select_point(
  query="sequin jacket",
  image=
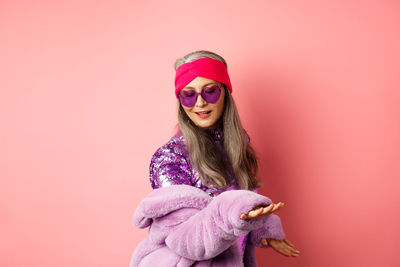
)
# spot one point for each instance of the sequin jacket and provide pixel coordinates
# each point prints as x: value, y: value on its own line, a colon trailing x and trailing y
x: 170, y: 165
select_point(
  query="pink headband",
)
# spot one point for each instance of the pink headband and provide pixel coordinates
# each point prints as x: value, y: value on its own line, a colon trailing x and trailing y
x: 204, y: 67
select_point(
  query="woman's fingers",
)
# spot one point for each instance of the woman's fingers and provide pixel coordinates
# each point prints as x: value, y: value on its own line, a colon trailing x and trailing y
x: 255, y: 213
x: 286, y: 251
x: 295, y: 252
x: 262, y: 211
x: 272, y: 208
x: 268, y: 209
x: 283, y: 247
x: 288, y: 242
x: 290, y: 248
x: 252, y: 214
x: 277, y: 206
x: 279, y: 246
x: 292, y: 251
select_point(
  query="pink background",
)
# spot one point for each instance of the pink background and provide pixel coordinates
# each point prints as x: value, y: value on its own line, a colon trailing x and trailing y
x: 86, y: 97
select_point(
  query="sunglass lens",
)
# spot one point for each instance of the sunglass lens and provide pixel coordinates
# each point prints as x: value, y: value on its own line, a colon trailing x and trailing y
x: 188, y: 97
x: 211, y: 94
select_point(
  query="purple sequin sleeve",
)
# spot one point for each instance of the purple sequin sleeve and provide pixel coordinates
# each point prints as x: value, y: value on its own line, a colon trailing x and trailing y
x: 168, y: 168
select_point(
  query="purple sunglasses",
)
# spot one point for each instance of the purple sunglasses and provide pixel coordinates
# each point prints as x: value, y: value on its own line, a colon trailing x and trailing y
x: 211, y: 95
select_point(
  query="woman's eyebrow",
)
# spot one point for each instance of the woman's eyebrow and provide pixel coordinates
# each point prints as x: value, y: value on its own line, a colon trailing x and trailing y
x: 189, y: 87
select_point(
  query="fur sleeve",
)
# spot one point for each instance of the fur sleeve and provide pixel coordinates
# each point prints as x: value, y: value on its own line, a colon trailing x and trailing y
x: 217, y: 226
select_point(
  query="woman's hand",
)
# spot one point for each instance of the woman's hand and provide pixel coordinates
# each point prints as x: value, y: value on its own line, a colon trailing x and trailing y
x: 283, y: 247
x: 259, y: 212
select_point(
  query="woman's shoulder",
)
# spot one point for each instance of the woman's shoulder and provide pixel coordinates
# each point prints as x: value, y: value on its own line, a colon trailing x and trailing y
x: 174, y: 146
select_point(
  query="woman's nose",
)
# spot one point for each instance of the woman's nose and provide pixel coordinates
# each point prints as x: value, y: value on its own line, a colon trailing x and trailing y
x: 200, y: 102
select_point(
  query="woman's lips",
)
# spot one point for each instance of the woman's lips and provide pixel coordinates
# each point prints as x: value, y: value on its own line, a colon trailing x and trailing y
x: 203, y: 114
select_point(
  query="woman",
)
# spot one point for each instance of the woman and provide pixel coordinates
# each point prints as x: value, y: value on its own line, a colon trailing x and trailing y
x: 212, y: 215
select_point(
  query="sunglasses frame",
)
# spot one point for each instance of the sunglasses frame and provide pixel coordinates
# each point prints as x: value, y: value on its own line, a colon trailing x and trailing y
x: 202, y: 93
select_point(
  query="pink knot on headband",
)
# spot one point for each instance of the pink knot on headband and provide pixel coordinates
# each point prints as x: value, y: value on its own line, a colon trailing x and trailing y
x: 204, y: 67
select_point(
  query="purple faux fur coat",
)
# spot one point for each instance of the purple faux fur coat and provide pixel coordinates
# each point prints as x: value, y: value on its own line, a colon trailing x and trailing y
x: 189, y: 228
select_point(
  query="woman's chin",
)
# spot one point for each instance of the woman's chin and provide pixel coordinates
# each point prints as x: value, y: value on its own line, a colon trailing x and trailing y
x: 206, y: 124
x: 203, y: 125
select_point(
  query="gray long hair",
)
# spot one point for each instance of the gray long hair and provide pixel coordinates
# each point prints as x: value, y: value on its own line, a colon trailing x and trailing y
x: 204, y: 154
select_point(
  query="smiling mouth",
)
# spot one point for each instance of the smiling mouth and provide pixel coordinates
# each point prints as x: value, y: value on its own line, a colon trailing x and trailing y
x: 203, y: 113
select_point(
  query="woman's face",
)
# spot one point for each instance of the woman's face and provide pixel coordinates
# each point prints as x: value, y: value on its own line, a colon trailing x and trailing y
x: 214, y: 111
